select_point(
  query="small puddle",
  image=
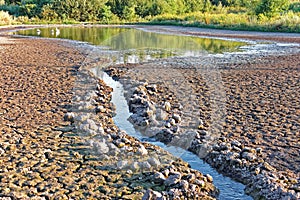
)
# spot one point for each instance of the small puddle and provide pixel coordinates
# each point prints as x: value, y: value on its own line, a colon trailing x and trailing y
x: 229, y: 189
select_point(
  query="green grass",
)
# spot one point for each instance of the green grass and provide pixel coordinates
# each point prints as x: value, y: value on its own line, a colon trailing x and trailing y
x: 289, y: 22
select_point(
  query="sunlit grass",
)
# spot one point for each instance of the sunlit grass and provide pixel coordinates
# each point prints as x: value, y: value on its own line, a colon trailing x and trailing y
x: 288, y: 22
x: 220, y: 19
x: 5, y: 18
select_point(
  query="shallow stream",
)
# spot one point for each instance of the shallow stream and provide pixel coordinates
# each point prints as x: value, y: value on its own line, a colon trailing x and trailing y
x: 229, y: 189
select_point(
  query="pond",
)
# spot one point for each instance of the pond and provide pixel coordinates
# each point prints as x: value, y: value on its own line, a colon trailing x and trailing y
x: 138, y: 45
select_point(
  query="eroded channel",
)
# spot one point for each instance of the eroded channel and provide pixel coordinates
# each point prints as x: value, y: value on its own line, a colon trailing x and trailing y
x: 229, y: 189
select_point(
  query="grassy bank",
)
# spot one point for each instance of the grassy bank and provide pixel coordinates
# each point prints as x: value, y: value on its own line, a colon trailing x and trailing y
x: 288, y: 22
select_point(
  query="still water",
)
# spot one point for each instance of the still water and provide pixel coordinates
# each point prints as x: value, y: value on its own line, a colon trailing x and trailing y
x: 131, y: 45
x: 138, y: 42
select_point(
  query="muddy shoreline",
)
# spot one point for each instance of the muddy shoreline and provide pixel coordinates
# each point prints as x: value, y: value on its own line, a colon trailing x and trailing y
x: 247, y: 35
x: 202, y: 32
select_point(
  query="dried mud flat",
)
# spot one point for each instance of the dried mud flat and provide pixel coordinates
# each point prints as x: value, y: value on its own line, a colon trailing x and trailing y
x: 240, y: 112
x: 58, y: 139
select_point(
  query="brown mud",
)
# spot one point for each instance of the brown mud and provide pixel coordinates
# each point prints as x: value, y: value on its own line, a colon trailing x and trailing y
x: 58, y: 139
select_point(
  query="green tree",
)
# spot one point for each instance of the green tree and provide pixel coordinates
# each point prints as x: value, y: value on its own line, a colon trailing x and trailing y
x: 8, y: 2
x: 125, y: 9
x: 171, y: 6
x: 29, y: 8
x: 147, y: 8
x: 226, y: 2
x: 295, y: 7
x: 128, y: 13
x: 271, y: 8
x: 206, y: 6
x: 81, y: 10
x: 106, y: 15
x: 193, y: 5
x: 48, y: 13
x: 118, y: 6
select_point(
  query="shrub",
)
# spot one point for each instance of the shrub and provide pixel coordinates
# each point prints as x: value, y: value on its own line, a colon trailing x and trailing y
x: 128, y: 13
x: 5, y: 18
x: 289, y: 22
x: 11, y: 9
x: 22, y: 19
x: 272, y: 8
x: 29, y: 9
x: 79, y: 10
x: 48, y: 13
x: 295, y: 7
x: 106, y: 16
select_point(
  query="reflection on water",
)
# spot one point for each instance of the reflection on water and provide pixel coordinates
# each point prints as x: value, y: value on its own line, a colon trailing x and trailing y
x: 137, y: 45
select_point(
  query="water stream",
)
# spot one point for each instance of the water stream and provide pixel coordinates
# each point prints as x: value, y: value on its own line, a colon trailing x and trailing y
x: 229, y: 189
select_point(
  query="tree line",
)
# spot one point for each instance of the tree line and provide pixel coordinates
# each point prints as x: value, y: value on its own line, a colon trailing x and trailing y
x: 136, y: 10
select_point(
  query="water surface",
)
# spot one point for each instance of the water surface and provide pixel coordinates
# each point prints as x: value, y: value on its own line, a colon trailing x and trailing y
x: 142, y: 44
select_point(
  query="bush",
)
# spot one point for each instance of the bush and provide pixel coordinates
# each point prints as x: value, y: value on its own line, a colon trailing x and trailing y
x: 29, y: 9
x: 128, y: 13
x: 290, y: 22
x: 11, y: 9
x: 272, y: 8
x: 106, y: 16
x: 48, y: 13
x: 79, y: 10
x: 5, y: 18
x: 22, y: 20
x: 295, y: 7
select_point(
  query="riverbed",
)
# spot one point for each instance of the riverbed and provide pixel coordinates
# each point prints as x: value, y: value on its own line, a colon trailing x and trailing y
x: 198, y: 80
